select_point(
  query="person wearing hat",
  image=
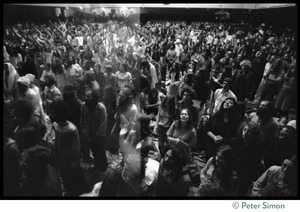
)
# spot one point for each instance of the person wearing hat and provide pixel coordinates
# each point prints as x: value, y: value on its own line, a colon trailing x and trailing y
x: 222, y: 93
x: 25, y: 92
x: 51, y: 92
x: 31, y: 78
x: 178, y: 48
x: 278, y: 180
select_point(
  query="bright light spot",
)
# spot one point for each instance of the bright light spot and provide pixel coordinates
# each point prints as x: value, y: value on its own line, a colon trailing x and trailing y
x: 81, y: 8
x: 102, y: 8
x: 67, y: 8
x: 123, y: 8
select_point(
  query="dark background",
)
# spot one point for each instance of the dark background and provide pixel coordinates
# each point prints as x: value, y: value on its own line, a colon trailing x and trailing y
x: 279, y: 18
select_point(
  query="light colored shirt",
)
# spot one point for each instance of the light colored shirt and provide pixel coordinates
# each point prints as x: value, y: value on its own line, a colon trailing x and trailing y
x: 220, y: 96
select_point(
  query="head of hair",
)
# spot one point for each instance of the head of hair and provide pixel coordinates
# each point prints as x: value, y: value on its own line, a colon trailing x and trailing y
x: 189, y: 124
x: 36, y: 158
x: 145, y: 64
x: 23, y: 109
x: 125, y: 66
x: 224, y: 172
x: 110, y: 97
x: 228, y: 80
x: 50, y: 79
x: 125, y: 97
x: 232, y: 112
x: 254, y: 134
x: 188, y: 90
x: 269, y: 110
x: 60, y: 109
x: 168, y: 104
x: 178, y: 160
x: 69, y: 92
x: 27, y: 137
x: 210, y: 190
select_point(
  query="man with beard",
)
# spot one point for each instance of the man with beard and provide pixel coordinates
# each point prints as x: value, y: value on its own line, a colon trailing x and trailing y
x: 93, y: 123
x: 269, y: 126
x: 172, y: 179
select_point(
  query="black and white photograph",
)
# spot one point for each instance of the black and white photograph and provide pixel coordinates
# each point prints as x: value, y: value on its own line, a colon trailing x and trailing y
x: 150, y: 101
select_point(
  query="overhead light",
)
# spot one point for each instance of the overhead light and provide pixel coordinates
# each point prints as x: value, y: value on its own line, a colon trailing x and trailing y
x: 81, y: 8
x: 123, y: 8
x: 102, y: 8
x: 67, y: 8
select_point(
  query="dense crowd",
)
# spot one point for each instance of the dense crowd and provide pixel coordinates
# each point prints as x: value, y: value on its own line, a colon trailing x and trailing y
x: 160, y: 95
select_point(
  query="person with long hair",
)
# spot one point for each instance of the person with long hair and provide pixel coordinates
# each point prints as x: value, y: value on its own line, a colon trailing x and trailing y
x: 183, y: 130
x: 219, y: 169
x: 247, y: 146
x: 222, y: 126
x: 124, y: 78
x: 126, y: 115
x: 172, y: 179
x: 60, y: 73
x: 164, y: 119
x: 152, y: 102
x: 93, y: 123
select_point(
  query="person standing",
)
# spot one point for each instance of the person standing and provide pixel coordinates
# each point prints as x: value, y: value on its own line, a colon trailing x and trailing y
x: 67, y: 148
x: 93, y: 123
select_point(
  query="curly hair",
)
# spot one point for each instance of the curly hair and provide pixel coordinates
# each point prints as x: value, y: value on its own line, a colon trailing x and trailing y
x: 168, y: 104
x: 233, y: 115
x: 254, y: 134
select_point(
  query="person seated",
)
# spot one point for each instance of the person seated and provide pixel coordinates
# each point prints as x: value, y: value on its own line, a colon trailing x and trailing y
x: 219, y: 169
x: 152, y: 102
x: 278, y: 180
x: 172, y: 179
x: 285, y: 145
x: 183, y: 131
x: 40, y: 176
x: 188, y: 95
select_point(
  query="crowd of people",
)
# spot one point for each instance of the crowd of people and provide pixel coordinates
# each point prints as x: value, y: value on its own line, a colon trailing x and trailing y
x: 159, y: 95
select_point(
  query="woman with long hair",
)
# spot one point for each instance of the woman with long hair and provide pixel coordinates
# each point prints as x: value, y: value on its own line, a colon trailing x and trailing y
x: 59, y: 71
x: 222, y: 126
x: 219, y: 169
x: 164, y: 119
x: 126, y: 114
x: 124, y: 78
x: 247, y: 146
x: 183, y: 130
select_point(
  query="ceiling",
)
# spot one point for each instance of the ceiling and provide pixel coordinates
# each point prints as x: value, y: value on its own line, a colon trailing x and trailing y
x: 207, y: 6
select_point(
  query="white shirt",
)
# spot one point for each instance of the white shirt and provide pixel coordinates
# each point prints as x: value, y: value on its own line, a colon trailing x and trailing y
x: 220, y: 96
